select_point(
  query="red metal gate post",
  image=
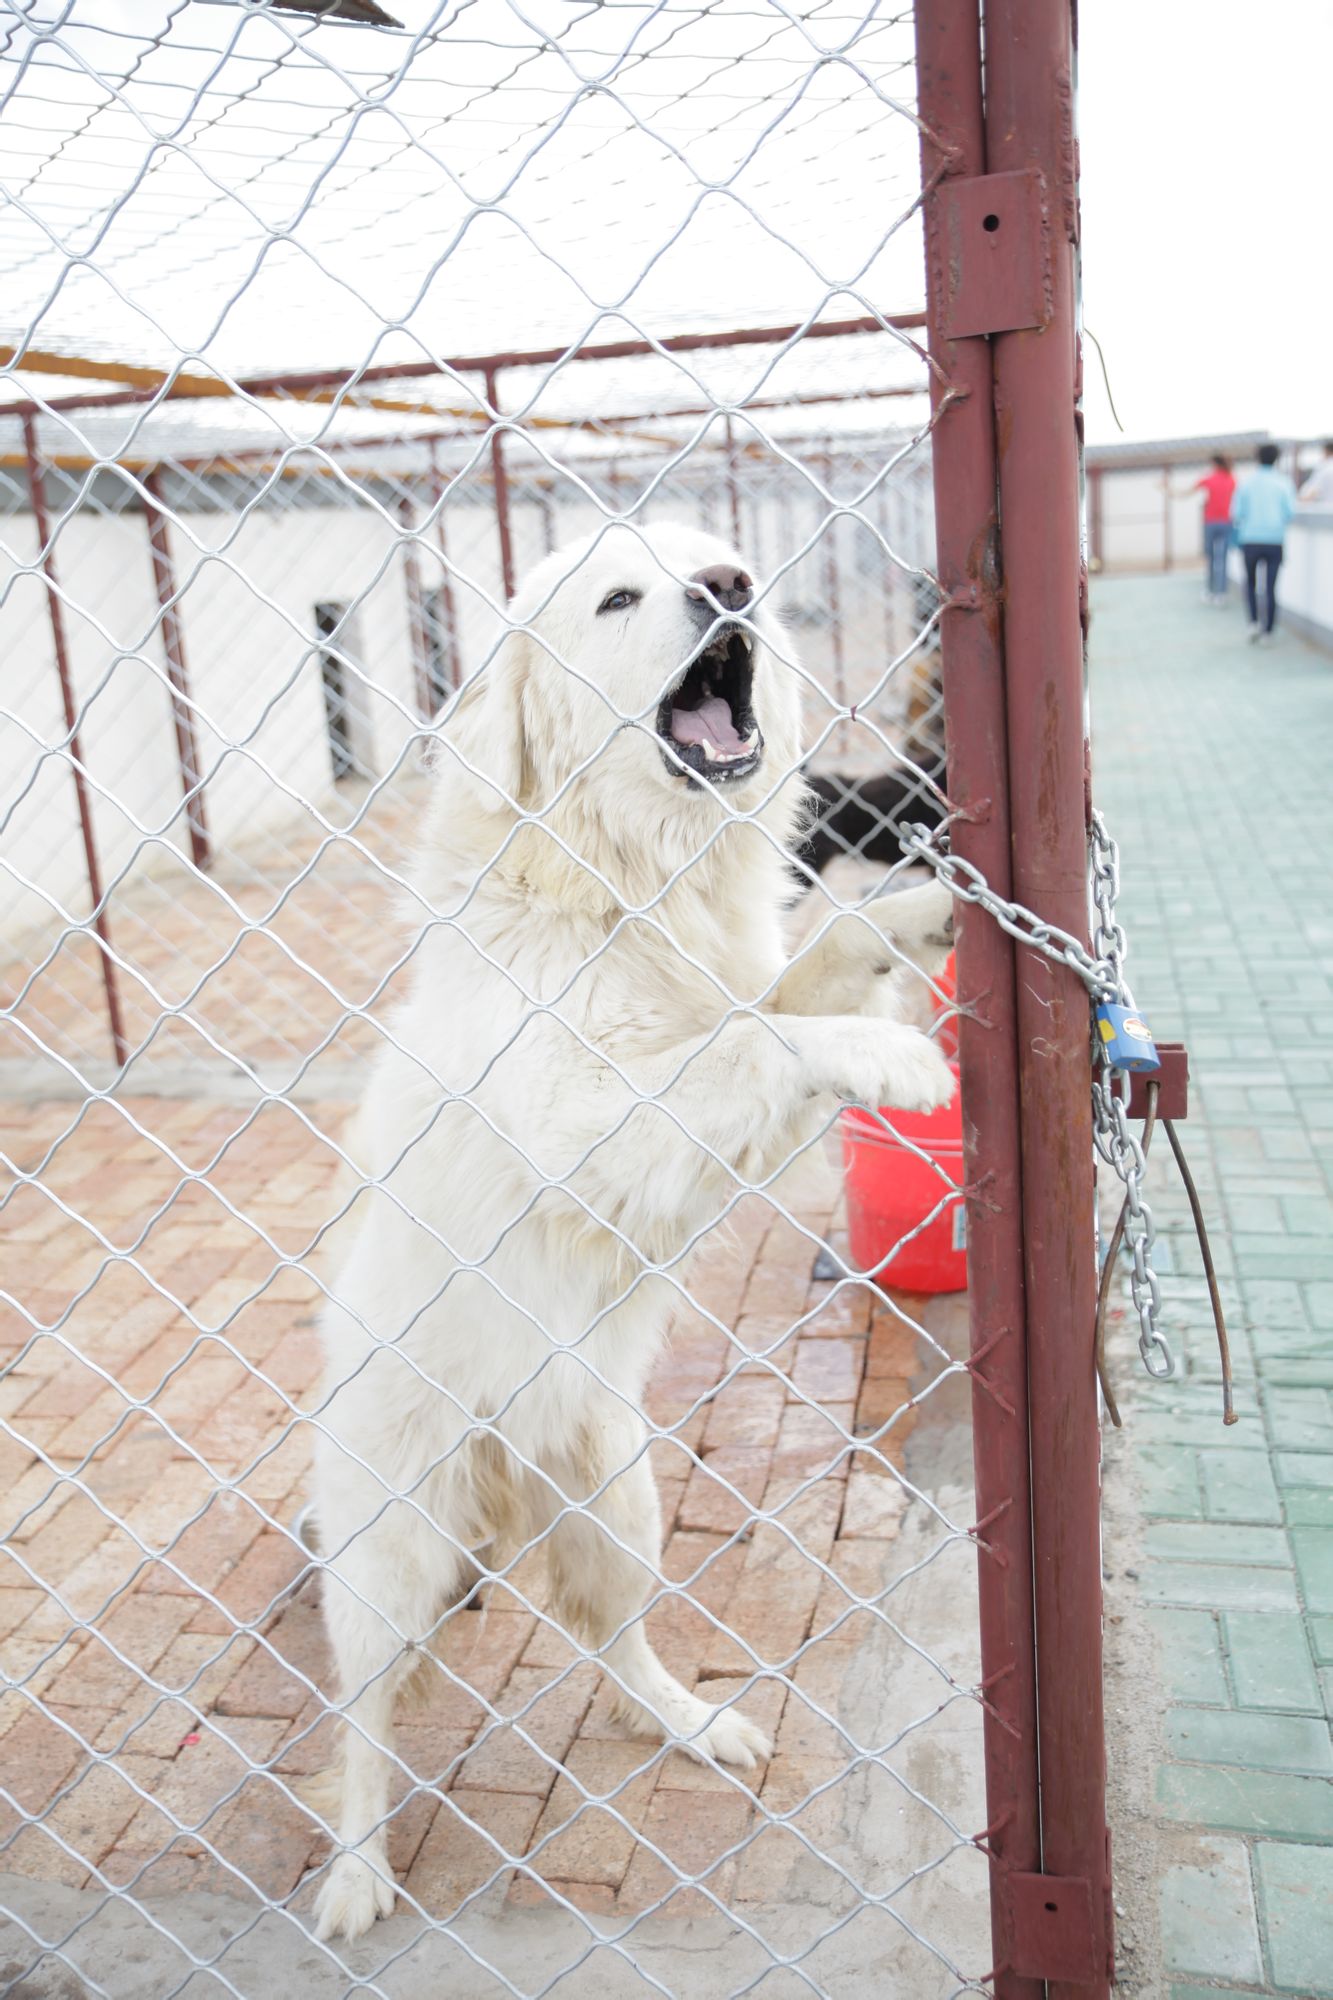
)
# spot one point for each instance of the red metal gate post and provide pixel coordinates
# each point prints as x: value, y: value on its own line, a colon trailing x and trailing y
x: 173, y: 648
x: 46, y: 546
x: 972, y: 671
x: 1030, y: 125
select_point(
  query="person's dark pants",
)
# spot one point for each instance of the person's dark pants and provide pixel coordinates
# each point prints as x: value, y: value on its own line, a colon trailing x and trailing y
x: 1216, y: 542
x: 1267, y: 555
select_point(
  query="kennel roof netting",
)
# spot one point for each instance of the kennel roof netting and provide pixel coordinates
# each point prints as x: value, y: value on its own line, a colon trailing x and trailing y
x: 212, y: 188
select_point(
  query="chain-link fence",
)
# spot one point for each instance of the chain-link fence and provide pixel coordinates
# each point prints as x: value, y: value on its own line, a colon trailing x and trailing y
x: 472, y: 641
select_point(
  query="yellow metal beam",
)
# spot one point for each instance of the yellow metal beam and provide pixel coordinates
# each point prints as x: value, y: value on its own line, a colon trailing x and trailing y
x: 128, y: 374
x: 80, y: 367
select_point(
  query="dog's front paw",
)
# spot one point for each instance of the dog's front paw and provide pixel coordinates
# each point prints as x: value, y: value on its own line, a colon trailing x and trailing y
x: 928, y: 1082
x: 353, y: 1895
x: 880, y: 1062
x: 919, y: 922
x: 730, y: 1738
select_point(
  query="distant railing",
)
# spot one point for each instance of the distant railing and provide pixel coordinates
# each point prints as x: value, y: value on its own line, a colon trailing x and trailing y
x: 1305, y: 589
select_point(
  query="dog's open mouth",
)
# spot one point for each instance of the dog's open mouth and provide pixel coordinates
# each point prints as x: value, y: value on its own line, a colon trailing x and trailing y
x: 707, y: 720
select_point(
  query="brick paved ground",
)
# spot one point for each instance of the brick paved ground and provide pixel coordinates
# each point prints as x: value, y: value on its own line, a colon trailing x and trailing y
x: 270, y: 960
x: 161, y: 1677
x: 1212, y: 761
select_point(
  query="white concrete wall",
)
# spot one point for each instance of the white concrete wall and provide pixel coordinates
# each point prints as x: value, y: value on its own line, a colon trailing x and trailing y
x: 247, y: 611
x: 1305, y: 585
x: 250, y: 582
x: 1151, y: 518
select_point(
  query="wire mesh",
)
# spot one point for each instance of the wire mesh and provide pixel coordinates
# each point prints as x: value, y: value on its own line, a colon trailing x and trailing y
x: 412, y: 1261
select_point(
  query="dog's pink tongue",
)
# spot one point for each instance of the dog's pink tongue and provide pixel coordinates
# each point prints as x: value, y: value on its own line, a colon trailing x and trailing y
x: 710, y: 722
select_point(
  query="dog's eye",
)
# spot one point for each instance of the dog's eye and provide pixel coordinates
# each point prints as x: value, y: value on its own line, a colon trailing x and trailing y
x: 619, y: 600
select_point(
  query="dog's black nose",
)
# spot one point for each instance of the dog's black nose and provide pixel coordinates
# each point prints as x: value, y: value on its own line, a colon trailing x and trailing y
x: 724, y: 583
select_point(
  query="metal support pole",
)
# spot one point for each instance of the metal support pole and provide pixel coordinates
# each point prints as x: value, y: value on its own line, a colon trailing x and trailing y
x: 450, y: 621
x: 1030, y: 124
x: 972, y: 670
x: 831, y: 586
x: 42, y: 522
x: 173, y: 648
x: 733, y: 489
x: 416, y: 612
x: 501, y: 487
x: 890, y: 575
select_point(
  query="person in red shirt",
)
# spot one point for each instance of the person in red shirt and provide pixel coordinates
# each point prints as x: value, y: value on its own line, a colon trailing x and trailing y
x: 1217, y: 488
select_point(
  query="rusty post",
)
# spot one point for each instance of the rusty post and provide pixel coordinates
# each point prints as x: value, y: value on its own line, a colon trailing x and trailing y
x: 45, y: 544
x: 450, y: 633
x: 501, y: 487
x: 416, y: 611
x: 972, y: 670
x: 1030, y: 124
x: 173, y: 648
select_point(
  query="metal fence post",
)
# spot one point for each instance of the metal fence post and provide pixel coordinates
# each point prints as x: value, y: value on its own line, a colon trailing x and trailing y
x: 1030, y: 124
x: 416, y: 615
x: 446, y: 585
x: 501, y: 477
x: 972, y: 670
x: 46, y: 547
x: 547, y: 511
x: 831, y: 589
x: 173, y: 648
x: 733, y: 487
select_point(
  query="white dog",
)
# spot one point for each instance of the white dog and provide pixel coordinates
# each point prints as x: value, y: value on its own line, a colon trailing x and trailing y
x: 606, y: 1040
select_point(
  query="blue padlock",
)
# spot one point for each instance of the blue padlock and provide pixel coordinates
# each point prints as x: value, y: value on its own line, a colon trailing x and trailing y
x: 1125, y: 1038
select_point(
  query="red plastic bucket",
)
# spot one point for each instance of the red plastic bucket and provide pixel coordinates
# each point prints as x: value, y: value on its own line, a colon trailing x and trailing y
x: 890, y: 1190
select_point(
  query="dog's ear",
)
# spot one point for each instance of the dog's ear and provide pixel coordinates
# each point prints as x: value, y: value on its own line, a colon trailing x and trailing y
x: 487, y: 726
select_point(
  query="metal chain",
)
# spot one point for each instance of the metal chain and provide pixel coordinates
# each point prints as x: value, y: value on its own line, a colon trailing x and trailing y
x: 1102, y: 972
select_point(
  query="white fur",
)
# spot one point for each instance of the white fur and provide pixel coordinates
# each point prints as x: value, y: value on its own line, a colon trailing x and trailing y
x: 567, y: 1099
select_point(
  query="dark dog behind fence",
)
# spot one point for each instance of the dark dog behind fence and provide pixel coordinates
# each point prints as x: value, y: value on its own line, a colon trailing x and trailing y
x: 864, y: 817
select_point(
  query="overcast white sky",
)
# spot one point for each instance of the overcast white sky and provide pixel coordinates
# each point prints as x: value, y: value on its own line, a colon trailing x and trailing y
x: 1207, y: 145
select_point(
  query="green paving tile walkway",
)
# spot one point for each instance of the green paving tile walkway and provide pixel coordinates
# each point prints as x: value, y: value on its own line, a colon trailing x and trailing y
x: 1213, y: 762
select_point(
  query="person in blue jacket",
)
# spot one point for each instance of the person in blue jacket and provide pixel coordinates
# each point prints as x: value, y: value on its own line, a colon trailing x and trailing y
x: 1260, y: 511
